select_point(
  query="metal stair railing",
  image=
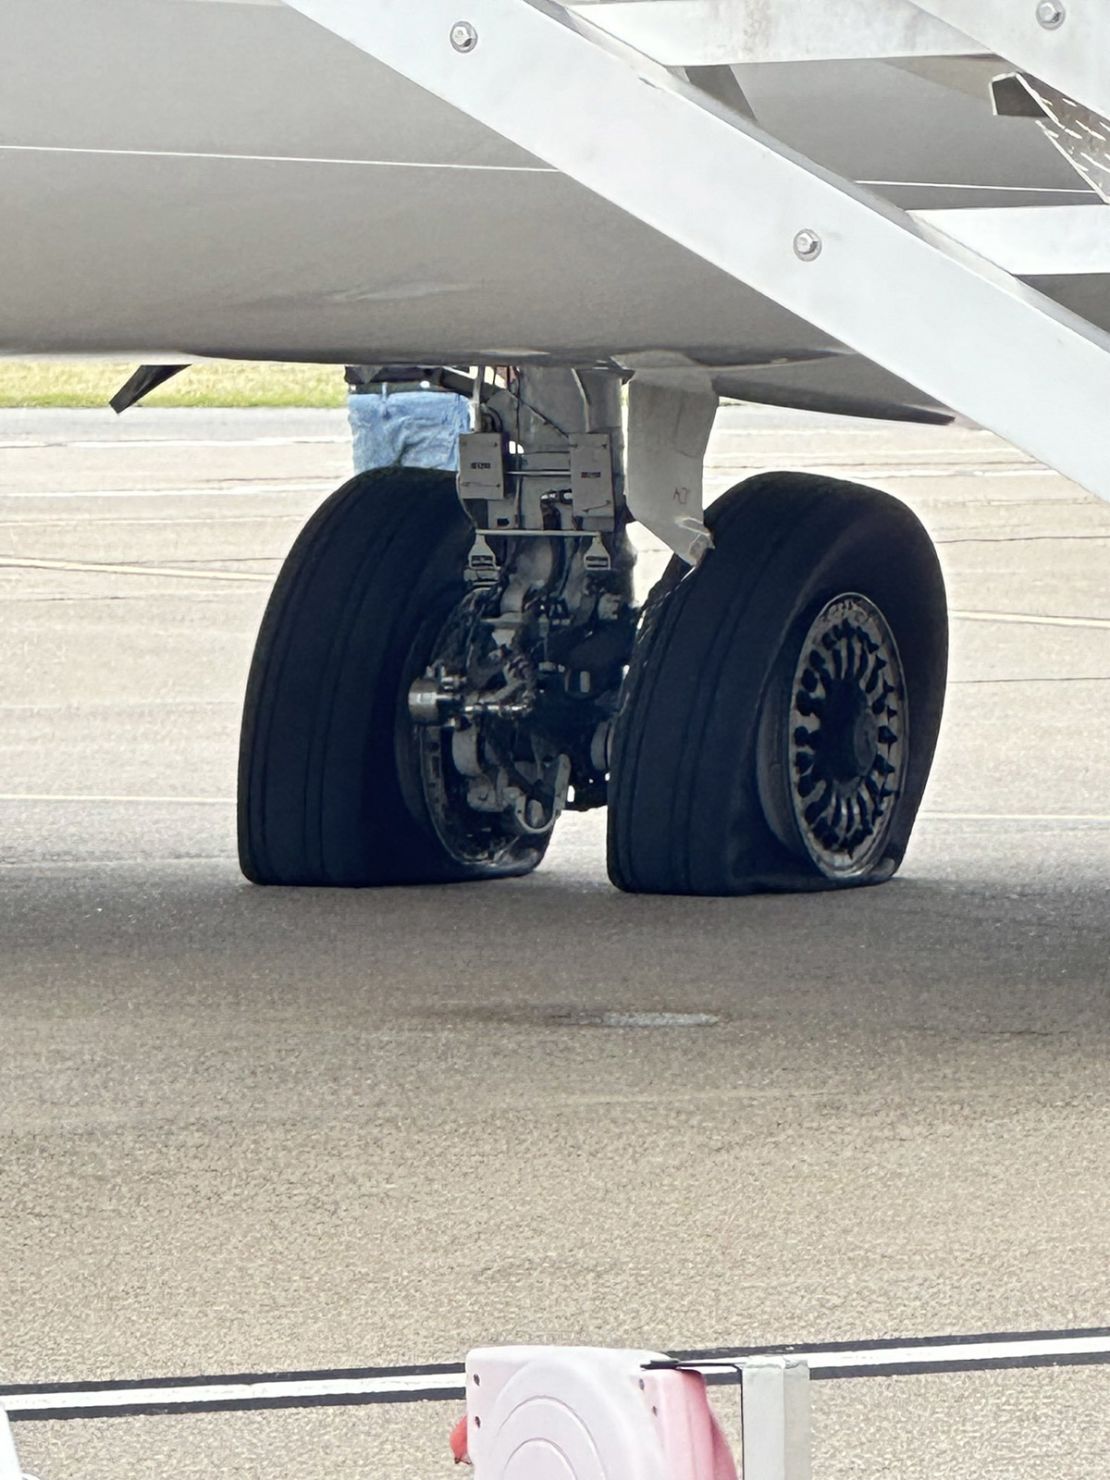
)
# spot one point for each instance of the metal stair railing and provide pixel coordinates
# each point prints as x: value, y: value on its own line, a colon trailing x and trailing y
x: 897, y: 290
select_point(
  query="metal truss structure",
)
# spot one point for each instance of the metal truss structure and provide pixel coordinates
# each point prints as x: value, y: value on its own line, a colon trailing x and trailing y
x: 602, y: 91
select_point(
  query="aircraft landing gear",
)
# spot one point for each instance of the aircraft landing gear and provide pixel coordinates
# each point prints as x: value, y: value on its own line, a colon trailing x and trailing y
x: 440, y: 673
x: 430, y: 690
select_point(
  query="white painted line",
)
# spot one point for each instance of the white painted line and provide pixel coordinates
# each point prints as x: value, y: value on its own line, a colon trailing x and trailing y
x: 104, y: 444
x: 34, y: 867
x: 965, y: 1354
x: 27, y: 1404
x: 66, y: 798
x: 380, y: 164
x: 1101, y: 817
x: 386, y: 1385
x: 15, y: 562
x: 327, y: 482
x: 148, y: 442
x: 896, y: 471
x: 228, y: 489
x: 726, y: 467
x: 640, y: 1019
x: 781, y: 421
x: 611, y: 1020
x: 1034, y: 619
x: 987, y: 470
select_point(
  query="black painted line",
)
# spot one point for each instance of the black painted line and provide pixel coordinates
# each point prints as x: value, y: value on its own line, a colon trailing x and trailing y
x: 323, y: 1374
x: 240, y: 1405
x: 244, y: 1392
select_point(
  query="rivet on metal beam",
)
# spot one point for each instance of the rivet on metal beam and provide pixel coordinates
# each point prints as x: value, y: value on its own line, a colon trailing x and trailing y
x: 1051, y: 14
x: 807, y: 245
x: 463, y: 36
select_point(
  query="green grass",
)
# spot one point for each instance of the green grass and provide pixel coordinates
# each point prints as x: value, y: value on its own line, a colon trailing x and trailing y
x: 234, y: 383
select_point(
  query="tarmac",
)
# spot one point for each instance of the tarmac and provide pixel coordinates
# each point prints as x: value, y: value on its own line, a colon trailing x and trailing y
x: 277, y: 1131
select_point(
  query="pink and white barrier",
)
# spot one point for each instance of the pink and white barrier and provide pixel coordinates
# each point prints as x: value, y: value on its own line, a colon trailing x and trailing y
x: 587, y: 1413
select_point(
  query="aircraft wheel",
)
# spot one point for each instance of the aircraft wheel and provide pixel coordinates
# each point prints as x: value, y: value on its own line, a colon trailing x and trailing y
x: 329, y: 773
x: 781, y: 710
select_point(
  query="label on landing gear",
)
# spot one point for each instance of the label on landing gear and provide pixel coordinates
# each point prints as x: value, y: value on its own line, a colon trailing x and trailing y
x: 482, y: 568
x: 481, y: 469
x: 591, y: 475
x: 597, y: 557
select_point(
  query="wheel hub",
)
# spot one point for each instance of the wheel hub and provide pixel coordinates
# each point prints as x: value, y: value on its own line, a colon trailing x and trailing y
x: 492, y: 785
x: 511, y: 715
x: 849, y: 734
x: 849, y: 731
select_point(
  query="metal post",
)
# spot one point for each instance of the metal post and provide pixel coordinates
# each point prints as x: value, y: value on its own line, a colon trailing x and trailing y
x: 775, y: 1419
x: 9, y: 1459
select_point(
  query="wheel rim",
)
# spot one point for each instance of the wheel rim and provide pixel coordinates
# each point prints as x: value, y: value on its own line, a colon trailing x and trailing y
x: 848, y: 736
x: 449, y: 762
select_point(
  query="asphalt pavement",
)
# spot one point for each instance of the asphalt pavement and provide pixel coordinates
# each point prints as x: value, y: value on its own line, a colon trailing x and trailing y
x: 282, y: 1131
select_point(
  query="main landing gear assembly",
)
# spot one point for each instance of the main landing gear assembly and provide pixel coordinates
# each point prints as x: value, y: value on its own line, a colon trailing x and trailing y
x: 447, y: 665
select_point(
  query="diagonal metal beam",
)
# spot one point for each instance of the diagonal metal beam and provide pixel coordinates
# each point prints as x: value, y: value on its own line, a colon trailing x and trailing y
x: 1064, y: 42
x: 898, y: 292
x: 1032, y: 241
x: 691, y: 33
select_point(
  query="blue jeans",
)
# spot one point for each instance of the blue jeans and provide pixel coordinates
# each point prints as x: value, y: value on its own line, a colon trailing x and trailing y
x: 407, y: 429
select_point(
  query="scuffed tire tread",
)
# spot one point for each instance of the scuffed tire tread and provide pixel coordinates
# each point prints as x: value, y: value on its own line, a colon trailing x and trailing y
x: 685, y: 815
x: 321, y: 796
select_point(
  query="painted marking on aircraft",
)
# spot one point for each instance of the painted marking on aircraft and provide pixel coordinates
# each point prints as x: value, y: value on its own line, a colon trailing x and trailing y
x: 382, y: 164
x: 438, y: 1382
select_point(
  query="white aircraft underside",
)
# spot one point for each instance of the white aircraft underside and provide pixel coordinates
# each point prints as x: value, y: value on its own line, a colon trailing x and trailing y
x: 195, y: 178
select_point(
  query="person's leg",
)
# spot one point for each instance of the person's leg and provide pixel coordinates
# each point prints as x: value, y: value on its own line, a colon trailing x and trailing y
x: 433, y: 423
x: 375, y: 426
